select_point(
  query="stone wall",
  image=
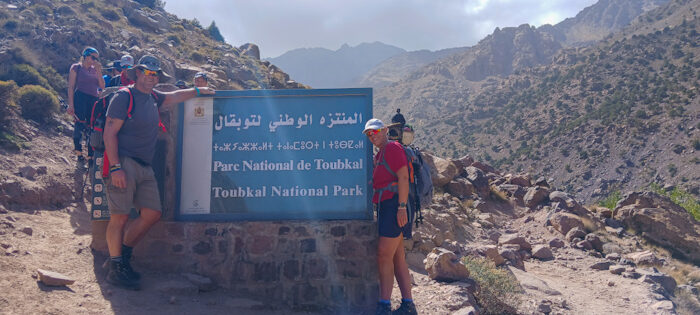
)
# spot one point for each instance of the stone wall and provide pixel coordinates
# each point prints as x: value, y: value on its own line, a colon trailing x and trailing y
x: 300, y: 263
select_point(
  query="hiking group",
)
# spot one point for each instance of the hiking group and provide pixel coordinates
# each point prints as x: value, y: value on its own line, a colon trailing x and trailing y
x: 125, y: 124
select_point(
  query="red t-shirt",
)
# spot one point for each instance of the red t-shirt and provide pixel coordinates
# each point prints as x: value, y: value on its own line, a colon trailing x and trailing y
x: 396, y: 158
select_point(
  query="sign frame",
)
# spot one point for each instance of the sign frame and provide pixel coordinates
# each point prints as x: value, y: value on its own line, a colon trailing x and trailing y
x: 366, y: 214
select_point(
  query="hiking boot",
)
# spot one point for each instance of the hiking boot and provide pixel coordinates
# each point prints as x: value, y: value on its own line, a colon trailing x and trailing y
x: 407, y: 308
x: 383, y: 309
x: 130, y: 271
x: 118, y: 276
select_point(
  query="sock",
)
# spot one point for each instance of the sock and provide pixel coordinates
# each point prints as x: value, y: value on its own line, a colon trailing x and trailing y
x: 126, y: 251
x: 385, y: 302
x: 407, y: 300
x: 116, y: 259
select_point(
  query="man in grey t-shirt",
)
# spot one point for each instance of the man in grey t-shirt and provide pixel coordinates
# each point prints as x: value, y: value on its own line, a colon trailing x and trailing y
x: 130, y: 137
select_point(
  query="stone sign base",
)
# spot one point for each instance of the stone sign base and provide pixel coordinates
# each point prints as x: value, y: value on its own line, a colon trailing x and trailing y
x: 301, y: 263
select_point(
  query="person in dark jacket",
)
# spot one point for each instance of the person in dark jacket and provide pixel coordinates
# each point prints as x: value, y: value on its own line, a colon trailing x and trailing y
x: 398, y: 118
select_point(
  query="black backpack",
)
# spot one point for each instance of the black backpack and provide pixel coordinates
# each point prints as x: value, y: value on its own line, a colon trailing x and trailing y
x: 420, y: 192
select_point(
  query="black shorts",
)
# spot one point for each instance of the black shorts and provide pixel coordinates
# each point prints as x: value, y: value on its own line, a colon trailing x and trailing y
x: 387, y: 222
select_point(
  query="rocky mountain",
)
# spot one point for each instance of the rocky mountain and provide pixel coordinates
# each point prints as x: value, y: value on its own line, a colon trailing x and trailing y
x: 614, y: 116
x: 50, y: 34
x: 400, y: 66
x: 325, y: 68
x: 587, y: 27
x: 599, y: 20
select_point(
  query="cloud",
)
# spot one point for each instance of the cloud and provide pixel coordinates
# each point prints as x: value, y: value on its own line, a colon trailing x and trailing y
x: 279, y: 26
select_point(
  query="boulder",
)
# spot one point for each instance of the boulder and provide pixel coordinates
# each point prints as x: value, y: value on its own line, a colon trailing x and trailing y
x: 443, y: 265
x: 484, y: 167
x: 564, y: 222
x: 442, y: 171
x: 513, y: 191
x: 463, y: 162
x: 522, y: 180
x: 542, y: 252
x: 575, y: 233
x: 515, y: 239
x: 583, y: 245
x: 617, y: 269
x: 595, y: 241
x: 601, y: 265
x: 513, y: 255
x: 251, y: 50
x: 52, y: 278
x: 141, y: 19
x: 491, y: 252
x: 609, y: 248
x: 535, y: 195
x: 646, y: 257
x: 654, y: 276
x: 28, y: 172
x: 479, y: 180
x: 662, y: 222
x: 556, y: 243
x: 460, y: 187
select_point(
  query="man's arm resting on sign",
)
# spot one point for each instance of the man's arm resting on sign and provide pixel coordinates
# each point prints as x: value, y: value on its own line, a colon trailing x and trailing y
x: 179, y: 96
x: 402, y: 215
x: 112, y: 127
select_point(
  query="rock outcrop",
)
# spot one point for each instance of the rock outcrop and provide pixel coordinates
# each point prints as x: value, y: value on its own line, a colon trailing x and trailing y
x: 661, y: 221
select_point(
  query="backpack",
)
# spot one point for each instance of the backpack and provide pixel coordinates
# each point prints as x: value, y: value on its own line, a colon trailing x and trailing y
x: 98, y: 117
x: 420, y: 191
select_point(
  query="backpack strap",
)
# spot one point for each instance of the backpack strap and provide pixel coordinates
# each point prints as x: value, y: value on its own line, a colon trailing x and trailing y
x: 131, y: 106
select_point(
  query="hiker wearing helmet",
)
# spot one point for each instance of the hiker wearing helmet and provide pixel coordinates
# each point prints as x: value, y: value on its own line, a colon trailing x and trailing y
x: 130, y: 135
x: 84, y: 82
x: 391, y: 171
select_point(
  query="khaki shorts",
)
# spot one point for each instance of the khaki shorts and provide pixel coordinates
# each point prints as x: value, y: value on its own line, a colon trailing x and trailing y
x: 141, y: 189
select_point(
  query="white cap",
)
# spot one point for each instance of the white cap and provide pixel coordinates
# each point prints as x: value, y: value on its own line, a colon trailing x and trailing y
x: 373, y: 124
x: 127, y: 60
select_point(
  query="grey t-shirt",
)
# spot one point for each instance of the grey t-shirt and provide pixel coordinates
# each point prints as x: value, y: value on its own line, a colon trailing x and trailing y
x: 139, y: 134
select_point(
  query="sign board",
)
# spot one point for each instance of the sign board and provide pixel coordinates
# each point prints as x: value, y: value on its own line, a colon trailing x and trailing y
x: 275, y: 155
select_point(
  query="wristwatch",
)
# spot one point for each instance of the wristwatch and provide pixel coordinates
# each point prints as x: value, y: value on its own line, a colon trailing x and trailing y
x: 402, y: 205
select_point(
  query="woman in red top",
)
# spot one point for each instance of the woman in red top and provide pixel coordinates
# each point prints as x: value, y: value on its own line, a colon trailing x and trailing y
x: 84, y: 83
x: 390, y: 195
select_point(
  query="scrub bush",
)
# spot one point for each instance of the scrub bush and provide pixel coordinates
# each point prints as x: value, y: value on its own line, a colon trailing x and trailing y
x: 37, y: 103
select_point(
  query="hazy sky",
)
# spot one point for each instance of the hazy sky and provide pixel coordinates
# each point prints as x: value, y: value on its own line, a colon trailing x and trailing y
x: 278, y: 26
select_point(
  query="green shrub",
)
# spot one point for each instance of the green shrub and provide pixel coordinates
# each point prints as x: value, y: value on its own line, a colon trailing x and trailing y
x: 611, y: 200
x: 37, y: 103
x: 11, y: 25
x: 681, y: 198
x: 8, y: 94
x: 175, y: 39
x: 499, y: 291
x: 197, y: 56
x: 42, y: 10
x: 110, y: 14
x: 24, y: 74
x: 55, y: 80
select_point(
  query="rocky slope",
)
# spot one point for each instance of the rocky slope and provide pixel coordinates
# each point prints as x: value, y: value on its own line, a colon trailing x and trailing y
x: 587, y: 27
x: 600, y: 20
x: 325, y: 68
x: 52, y: 33
x: 616, y: 116
x: 400, y: 66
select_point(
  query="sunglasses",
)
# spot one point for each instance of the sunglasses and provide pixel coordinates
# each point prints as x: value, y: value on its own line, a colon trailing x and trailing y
x: 373, y: 132
x: 94, y: 58
x: 150, y: 73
